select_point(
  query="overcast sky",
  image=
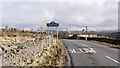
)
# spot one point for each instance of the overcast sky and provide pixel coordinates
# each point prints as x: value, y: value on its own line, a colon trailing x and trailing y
x: 96, y: 14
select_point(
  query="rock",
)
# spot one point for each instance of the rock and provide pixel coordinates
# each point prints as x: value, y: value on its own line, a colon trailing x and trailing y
x: 37, y: 61
x: 25, y: 60
x: 5, y: 51
x: 41, y: 38
x: 0, y: 51
x: 3, y: 48
x: 11, y: 50
x: 14, y: 52
x: 21, y: 47
x: 17, y: 50
x: 8, y: 45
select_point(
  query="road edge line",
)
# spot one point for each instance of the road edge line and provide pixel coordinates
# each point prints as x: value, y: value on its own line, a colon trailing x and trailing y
x: 113, y: 59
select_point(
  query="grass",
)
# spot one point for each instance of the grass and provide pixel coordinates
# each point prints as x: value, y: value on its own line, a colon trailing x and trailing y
x: 107, y: 44
x: 51, y: 56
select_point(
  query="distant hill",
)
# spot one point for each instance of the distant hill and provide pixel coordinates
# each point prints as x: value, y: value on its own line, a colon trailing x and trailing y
x: 112, y: 34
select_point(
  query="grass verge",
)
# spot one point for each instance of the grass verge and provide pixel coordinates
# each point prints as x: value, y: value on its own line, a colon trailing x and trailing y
x: 107, y: 44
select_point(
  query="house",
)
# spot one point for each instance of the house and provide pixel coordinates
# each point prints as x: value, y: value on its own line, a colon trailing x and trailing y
x: 82, y: 33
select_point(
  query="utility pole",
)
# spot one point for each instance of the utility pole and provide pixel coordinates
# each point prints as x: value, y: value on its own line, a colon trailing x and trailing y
x: 69, y: 26
x: 41, y: 29
x: 86, y: 33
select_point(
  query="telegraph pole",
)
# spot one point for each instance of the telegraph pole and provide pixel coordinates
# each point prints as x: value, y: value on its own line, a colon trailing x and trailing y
x: 69, y: 26
x: 41, y: 30
x: 86, y: 33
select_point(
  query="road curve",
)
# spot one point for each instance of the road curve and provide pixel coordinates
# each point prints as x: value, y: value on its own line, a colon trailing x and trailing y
x: 85, y: 53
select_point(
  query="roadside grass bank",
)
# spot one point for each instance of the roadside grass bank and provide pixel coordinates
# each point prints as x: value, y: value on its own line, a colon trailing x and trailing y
x: 107, y: 44
x: 51, y: 55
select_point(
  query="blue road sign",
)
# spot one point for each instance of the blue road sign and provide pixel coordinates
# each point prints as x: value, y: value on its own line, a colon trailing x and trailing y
x: 52, y: 24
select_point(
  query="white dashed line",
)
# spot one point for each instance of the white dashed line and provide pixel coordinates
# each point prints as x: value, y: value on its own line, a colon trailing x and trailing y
x: 74, y: 51
x: 92, y: 50
x: 113, y: 60
x: 82, y: 50
x: 85, y: 45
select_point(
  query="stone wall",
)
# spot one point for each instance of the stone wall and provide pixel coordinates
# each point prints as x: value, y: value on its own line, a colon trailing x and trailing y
x: 33, y: 51
x: 21, y: 53
x: 14, y: 35
x: 0, y: 57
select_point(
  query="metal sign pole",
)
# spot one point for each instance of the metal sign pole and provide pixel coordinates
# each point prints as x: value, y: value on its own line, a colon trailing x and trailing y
x: 53, y: 24
x: 48, y: 36
x: 57, y: 36
x: 52, y: 35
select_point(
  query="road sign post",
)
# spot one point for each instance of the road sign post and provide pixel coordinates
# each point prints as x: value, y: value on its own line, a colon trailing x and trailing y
x: 48, y: 36
x: 53, y: 24
x: 57, y: 36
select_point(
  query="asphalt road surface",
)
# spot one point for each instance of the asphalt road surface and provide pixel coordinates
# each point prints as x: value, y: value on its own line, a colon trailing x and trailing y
x: 83, y: 53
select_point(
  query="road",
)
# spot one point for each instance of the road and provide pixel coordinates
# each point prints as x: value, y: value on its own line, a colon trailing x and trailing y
x: 84, y: 53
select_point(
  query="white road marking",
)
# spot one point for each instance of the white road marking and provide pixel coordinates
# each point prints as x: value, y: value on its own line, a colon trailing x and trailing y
x: 92, y: 50
x: 85, y: 45
x: 74, y: 51
x: 113, y: 60
x: 82, y: 50
x: 87, y: 50
x: 70, y: 51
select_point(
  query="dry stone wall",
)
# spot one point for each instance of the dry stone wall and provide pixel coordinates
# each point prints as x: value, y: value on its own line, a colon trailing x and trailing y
x: 14, y: 35
x: 20, y: 53
x: 25, y: 48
